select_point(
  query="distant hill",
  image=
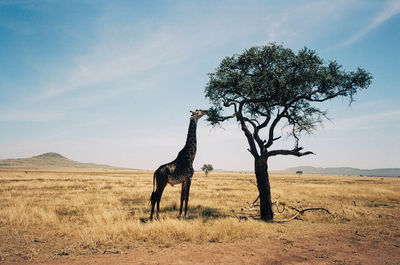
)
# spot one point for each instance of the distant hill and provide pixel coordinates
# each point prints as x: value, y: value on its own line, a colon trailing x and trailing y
x: 48, y: 161
x: 383, y: 172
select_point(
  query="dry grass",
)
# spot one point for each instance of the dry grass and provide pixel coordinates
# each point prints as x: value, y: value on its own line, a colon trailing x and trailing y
x: 44, y: 214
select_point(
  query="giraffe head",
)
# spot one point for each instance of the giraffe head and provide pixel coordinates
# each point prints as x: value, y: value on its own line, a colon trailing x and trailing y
x: 197, y: 114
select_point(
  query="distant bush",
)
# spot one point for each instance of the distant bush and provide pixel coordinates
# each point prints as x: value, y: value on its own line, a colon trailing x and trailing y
x: 207, y: 168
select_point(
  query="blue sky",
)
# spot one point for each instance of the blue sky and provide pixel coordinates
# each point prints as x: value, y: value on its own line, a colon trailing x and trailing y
x: 113, y: 81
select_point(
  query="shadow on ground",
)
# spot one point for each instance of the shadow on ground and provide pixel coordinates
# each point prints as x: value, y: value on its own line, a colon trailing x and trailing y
x: 197, y: 212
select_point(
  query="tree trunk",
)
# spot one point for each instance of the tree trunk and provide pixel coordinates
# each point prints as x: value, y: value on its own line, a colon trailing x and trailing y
x: 261, y: 170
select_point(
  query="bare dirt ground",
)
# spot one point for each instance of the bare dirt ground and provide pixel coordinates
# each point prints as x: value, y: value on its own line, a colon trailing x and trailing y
x: 340, y: 245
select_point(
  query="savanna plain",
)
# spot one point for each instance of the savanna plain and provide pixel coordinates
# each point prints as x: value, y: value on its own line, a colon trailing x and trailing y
x: 101, y: 217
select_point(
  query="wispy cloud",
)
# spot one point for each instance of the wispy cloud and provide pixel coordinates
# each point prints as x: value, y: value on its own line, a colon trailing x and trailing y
x: 119, y: 61
x: 389, y: 10
x: 30, y: 115
x: 126, y: 57
x: 372, y: 120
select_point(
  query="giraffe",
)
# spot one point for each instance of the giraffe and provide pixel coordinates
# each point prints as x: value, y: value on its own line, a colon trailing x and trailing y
x: 178, y: 171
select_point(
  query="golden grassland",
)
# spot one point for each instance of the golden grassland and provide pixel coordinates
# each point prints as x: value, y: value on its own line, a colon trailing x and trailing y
x: 48, y: 213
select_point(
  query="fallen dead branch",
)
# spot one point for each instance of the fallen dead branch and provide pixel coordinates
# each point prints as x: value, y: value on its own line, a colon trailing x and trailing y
x: 277, y: 206
x: 299, y: 212
x: 38, y: 241
x: 252, y: 182
x: 107, y: 251
x: 357, y: 233
x: 302, y: 211
x: 62, y: 253
x: 251, y: 206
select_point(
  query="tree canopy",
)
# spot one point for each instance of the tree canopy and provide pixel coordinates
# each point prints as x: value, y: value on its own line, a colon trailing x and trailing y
x: 207, y: 168
x: 270, y: 84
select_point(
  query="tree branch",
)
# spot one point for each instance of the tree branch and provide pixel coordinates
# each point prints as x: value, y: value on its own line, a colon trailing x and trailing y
x: 261, y: 143
x: 250, y: 139
x: 264, y: 124
x: 224, y: 118
x: 294, y: 152
x: 251, y: 122
x: 309, y: 97
x: 273, y: 125
x: 277, y: 138
x: 256, y: 136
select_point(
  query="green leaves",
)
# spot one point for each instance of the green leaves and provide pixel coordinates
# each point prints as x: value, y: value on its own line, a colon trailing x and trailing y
x: 207, y: 168
x: 273, y: 83
x: 279, y: 75
x: 214, y: 116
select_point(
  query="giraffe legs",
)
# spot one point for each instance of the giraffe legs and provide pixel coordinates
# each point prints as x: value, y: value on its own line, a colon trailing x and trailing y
x: 157, y: 194
x: 156, y: 198
x: 185, y: 196
x: 182, y: 197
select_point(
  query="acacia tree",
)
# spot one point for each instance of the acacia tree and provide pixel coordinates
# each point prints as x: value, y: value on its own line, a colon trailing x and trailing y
x: 270, y: 86
x: 207, y: 168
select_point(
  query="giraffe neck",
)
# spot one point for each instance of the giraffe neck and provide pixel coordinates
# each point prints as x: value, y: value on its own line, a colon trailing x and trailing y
x: 189, y: 150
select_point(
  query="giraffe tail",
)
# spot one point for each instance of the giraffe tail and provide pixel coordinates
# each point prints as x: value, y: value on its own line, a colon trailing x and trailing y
x: 154, y: 180
x: 153, y: 194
